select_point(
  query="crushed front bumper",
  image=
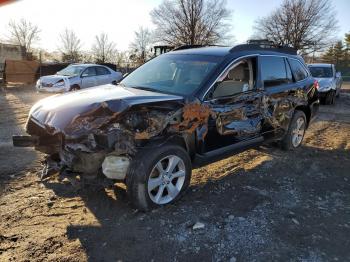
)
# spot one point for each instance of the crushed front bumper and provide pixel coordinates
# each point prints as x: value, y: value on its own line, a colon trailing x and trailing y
x: 51, y: 89
x: 25, y: 141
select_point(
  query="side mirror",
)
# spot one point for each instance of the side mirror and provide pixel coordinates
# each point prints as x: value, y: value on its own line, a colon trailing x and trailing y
x: 338, y: 74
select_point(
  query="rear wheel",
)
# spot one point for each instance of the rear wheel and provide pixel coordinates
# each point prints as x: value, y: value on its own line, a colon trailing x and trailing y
x: 158, y: 177
x: 296, y: 131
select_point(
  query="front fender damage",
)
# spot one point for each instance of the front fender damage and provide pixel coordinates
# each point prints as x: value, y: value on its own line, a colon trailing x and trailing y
x: 95, y: 141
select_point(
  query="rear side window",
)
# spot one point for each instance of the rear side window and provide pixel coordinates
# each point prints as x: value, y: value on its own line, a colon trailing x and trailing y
x: 298, y: 69
x: 102, y: 71
x: 273, y: 71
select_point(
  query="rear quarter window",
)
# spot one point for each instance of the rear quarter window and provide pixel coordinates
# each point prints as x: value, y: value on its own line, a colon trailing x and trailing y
x: 299, y: 71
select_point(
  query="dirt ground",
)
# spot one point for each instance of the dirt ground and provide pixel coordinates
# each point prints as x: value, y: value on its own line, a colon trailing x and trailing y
x: 261, y: 205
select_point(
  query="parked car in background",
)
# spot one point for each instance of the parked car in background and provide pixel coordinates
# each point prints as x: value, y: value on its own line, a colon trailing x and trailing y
x: 181, y: 109
x: 329, y: 81
x: 78, y: 76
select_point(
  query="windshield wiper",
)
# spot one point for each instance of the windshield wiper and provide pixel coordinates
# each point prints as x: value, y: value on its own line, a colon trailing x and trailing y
x: 145, y: 88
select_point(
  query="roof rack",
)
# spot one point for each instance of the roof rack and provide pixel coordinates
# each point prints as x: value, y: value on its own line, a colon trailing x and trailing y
x: 265, y: 45
x: 193, y: 46
x: 186, y: 47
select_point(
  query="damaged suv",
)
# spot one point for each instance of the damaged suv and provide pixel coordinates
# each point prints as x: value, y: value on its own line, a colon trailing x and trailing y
x: 185, y: 108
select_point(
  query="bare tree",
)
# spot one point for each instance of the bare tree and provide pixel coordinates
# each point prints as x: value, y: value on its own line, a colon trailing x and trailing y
x: 23, y: 33
x: 103, y: 50
x: 70, y: 46
x: 191, y: 22
x: 141, y: 45
x: 307, y: 25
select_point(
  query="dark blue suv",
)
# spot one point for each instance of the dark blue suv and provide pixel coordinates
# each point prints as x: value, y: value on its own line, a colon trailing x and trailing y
x: 185, y: 108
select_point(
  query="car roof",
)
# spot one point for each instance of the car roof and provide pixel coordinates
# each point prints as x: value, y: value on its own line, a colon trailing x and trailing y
x: 207, y: 50
x: 85, y: 65
x: 225, y: 50
x: 320, y: 65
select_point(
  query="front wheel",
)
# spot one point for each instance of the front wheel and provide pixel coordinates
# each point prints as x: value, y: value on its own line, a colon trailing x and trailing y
x: 295, y: 132
x: 158, y: 176
x: 74, y: 88
x: 330, y: 98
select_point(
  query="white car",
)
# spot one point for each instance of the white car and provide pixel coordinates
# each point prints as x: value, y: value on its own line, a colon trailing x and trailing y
x: 329, y: 81
x: 78, y: 76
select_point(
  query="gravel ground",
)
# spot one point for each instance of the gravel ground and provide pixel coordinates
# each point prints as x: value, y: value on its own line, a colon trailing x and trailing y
x: 261, y: 205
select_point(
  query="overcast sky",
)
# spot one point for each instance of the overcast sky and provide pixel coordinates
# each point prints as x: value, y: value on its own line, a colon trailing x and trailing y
x: 120, y: 18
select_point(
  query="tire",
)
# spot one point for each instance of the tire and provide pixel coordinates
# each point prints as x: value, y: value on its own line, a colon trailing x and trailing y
x: 74, y: 88
x: 148, y: 187
x: 330, y: 98
x: 288, y: 142
x: 337, y: 94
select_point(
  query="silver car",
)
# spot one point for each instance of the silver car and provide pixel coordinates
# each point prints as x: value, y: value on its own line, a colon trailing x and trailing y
x: 329, y: 81
x: 78, y: 76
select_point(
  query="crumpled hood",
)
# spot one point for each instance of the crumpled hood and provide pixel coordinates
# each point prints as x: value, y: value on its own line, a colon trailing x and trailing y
x: 52, y: 79
x: 59, y: 110
x: 325, y: 82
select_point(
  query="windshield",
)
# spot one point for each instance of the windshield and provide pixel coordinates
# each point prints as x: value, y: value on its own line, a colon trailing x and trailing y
x: 172, y: 73
x: 71, y: 71
x: 321, y: 71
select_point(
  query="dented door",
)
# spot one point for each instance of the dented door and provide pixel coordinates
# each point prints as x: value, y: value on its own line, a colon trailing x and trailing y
x: 234, y: 119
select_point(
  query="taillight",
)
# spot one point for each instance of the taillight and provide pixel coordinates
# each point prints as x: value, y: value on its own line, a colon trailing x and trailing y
x: 316, y: 84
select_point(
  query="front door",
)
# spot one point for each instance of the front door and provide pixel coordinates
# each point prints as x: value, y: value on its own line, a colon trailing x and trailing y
x: 89, y: 78
x: 235, y: 103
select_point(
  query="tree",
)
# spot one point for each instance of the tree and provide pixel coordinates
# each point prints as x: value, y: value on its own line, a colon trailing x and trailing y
x: 103, y: 50
x: 140, y: 47
x: 338, y: 52
x: 307, y: 25
x: 347, y: 40
x: 23, y: 33
x: 191, y: 22
x: 70, y: 46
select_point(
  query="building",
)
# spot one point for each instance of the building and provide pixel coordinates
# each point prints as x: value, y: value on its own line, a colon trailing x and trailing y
x: 10, y: 52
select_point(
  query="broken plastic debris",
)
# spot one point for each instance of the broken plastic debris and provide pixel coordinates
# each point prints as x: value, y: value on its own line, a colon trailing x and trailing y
x: 198, y: 225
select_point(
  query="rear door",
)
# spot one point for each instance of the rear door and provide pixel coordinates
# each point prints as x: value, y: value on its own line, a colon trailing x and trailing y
x: 89, y: 77
x: 281, y: 93
x: 235, y: 103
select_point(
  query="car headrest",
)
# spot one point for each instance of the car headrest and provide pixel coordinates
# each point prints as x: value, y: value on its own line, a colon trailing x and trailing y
x: 237, y: 73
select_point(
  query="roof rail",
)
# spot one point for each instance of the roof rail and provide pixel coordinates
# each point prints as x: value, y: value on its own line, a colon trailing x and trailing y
x: 263, y: 45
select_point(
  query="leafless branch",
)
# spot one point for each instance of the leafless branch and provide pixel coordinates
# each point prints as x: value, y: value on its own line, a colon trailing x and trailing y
x: 307, y: 25
x: 23, y: 33
x: 192, y: 22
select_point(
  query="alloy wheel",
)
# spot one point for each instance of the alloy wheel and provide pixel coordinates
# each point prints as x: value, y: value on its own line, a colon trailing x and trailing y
x: 166, y: 179
x: 298, y: 132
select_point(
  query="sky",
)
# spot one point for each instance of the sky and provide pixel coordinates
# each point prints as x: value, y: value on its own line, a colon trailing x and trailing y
x: 120, y: 18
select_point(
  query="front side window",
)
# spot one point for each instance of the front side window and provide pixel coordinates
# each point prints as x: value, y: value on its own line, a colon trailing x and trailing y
x: 238, y: 79
x: 273, y: 71
x: 90, y: 71
x: 321, y: 71
x: 172, y: 73
x: 298, y: 69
